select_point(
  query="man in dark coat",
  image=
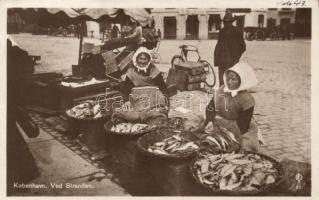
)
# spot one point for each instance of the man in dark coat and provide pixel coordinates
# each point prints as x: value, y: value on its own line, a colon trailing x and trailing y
x: 229, y: 48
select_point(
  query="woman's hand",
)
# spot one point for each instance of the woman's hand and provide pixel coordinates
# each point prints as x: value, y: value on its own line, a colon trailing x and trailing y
x: 209, y: 127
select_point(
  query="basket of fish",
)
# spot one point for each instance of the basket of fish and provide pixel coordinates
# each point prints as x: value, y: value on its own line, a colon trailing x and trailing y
x: 166, y: 143
x: 168, y: 155
x: 88, y: 110
x: 236, y: 173
x: 222, y: 140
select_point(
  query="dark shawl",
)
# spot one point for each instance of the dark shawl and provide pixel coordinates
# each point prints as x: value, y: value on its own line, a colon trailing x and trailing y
x: 229, y: 48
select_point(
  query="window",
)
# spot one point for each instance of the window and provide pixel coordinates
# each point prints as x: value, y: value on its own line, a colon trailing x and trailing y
x: 272, y: 8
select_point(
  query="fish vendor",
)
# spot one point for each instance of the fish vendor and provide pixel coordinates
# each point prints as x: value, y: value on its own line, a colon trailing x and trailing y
x: 232, y: 106
x: 143, y: 79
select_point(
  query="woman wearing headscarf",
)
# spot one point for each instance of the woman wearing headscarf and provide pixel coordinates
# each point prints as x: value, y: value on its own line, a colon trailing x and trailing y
x: 143, y: 88
x: 232, y: 106
x: 143, y: 73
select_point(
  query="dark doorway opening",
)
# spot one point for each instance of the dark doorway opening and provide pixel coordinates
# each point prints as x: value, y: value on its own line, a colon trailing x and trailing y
x: 192, y: 26
x: 240, y: 22
x: 214, y: 25
x: 303, y: 22
x: 169, y: 28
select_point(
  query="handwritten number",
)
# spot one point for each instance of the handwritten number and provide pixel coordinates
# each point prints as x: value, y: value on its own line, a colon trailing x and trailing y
x: 296, y: 3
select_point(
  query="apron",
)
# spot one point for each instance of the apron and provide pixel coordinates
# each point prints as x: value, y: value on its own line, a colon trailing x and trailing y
x: 227, y: 112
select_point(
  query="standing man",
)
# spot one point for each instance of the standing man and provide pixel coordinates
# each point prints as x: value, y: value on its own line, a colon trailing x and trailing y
x: 159, y: 33
x: 229, y: 48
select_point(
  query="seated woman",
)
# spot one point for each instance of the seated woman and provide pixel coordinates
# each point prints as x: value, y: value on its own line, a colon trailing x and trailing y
x: 144, y: 88
x: 232, y: 106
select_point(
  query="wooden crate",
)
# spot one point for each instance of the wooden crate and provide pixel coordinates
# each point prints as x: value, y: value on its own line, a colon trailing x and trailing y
x: 192, y: 68
x: 69, y: 94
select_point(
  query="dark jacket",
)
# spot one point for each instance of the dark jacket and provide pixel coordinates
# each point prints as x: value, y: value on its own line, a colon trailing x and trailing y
x: 21, y: 166
x: 229, y: 48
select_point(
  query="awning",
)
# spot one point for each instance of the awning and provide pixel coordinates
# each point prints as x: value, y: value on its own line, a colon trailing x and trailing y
x: 62, y: 16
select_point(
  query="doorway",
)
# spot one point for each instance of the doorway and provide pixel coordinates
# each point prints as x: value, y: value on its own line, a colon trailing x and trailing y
x: 170, y: 28
x: 192, y: 26
x: 240, y: 22
x: 214, y: 25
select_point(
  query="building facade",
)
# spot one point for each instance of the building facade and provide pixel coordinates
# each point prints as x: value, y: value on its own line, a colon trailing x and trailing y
x: 200, y: 23
x: 205, y: 23
x: 281, y: 16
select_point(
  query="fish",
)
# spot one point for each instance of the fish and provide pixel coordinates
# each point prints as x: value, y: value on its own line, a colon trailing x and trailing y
x: 208, y: 182
x: 214, y: 141
x: 171, y: 147
x: 228, y: 171
x: 234, y: 155
x: 189, y: 145
x: 229, y: 134
x: 270, y: 179
x: 223, y: 142
x: 212, y: 157
x: 222, y: 183
x: 204, y: 166
x: 177, y: 137
x: 247, y: 170
x: 234, y: 177
x: 225, y: 168
x: 240, y: 161
x: 159, y: 144
x: 159, y: 151
x: 257, y: 165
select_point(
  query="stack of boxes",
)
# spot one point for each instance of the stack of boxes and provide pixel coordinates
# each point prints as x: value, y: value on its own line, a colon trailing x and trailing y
x: 190, y: 75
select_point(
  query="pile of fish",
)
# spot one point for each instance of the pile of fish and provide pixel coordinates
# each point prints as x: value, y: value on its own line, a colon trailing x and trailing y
x: 173, y: 145
x: 86, y: 110
x: 130, y: 128
x: 234, y: 171
x: 222, y: 140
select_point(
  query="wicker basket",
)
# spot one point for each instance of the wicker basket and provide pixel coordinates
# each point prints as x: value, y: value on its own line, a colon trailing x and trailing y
x: 156, y: 136
x: 168, y: 174
x: 93, y: 138
x: 262, y: 191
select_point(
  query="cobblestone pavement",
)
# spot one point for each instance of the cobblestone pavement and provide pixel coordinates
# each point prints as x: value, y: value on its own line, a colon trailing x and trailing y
x: 282, y: 96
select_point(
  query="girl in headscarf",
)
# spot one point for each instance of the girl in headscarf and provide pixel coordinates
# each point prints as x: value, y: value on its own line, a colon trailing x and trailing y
x: 144, y: 90
x: 232, y: 106
x: 143, y: 73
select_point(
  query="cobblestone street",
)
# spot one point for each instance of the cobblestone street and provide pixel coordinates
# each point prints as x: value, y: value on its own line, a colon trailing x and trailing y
x: 282, y: 96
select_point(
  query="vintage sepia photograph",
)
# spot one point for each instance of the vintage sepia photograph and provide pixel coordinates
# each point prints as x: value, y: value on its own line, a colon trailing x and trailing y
x: 162, y: 101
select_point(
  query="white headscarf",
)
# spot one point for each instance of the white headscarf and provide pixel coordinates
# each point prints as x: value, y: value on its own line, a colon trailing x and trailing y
x: 139, y: 51
x: 247, y: 77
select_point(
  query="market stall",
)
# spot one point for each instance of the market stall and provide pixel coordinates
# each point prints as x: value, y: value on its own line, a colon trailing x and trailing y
x: 159, y: 153
x: 90, y: 81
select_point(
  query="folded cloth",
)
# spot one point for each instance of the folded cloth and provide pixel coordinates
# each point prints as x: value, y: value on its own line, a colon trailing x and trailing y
x: 194, y: 123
